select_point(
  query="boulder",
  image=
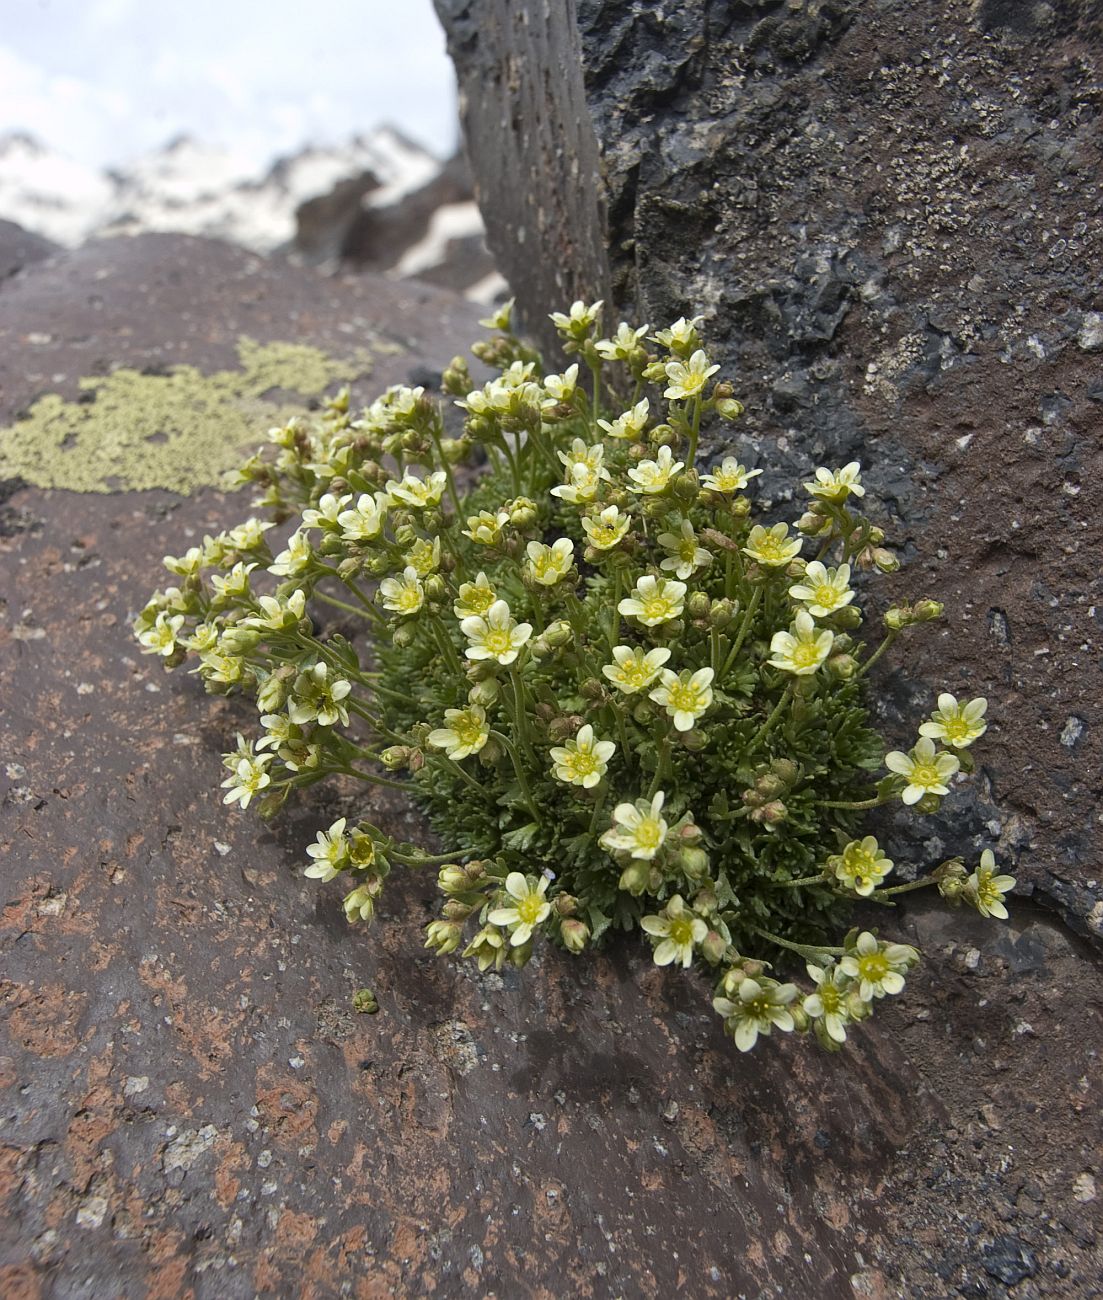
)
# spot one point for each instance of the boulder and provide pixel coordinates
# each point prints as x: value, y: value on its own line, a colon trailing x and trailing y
x: 192, y: 1105
x: 19, y: 248
x: 889, y: 218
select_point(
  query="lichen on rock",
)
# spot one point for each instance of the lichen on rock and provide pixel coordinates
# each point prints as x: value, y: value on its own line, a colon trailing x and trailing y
x: 177, y: 429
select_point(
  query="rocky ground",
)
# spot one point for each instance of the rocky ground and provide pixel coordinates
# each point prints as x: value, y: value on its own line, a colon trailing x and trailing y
x: 189, y: 1106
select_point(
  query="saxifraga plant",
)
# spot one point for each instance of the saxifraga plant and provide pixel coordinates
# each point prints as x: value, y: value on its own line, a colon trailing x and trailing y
x: 623, y: 703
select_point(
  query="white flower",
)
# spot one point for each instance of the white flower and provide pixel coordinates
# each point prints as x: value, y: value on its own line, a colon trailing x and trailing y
x: 582, y: 761
x: 761, y: 1005
x: 828, y: 1003
x: 160, y: 639
x: 418, y: 493
x: 688, y: 378
x: 278, y: 614
x: 772, y: 547
x: 988, y: 889
x: 465, y: 732
x: 294, y: 559
x: 802, y: 649
x: 279, y: 730
x: 730, y: 477
x: 956, y: 724
x: 233, y: 585
x: 607, y: 529
x: 403, y: 595
x: 474, y: 598
x: 656, y: 600
x: 685, y: 557
x: 424, y: 556
x: 486, y: 527
x: 500, y: 319
x: 581, y: 486
x: 926, y: 771
x: 365, y: 520
x: 685, y: 695
x: 530, y: 907
x: 497, y: 636
x: 838, y: 485
x: 249, y: 775
x: 623, y: 344
x: 560, y: 389
x: 581, y: 320
x: 877, y: 966
x: 823, y: 590
x: 653, y: 476
x: 327, y: 513
x: 317, y: 696
x: 330, y: 853
x: 862, y: 866
x: 681, y: 337
x: 639, y: 828
x: 548, y: 564
x: 629, y: 425
x: 634, y: 670
x: 679, y: 932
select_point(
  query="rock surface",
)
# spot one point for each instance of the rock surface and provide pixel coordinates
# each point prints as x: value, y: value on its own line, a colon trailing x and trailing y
x: 890, y: 216
x: 19, y: 248
x: 192, y: 1108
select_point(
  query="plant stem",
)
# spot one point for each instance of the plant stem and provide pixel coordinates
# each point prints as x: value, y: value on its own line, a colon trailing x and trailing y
x: 890, y: 637
x: 518, y: 768
x: 821, y: 879
x: 694, y: 432
x: 744, y: 628
x: 343, y: 604
x: 808, y: 951
x: 904, y: 889
x: 853, y: 805
x: 770, y: 722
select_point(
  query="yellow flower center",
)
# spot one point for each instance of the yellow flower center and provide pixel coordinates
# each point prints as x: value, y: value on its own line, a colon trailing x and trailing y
x: 826, y: 595
x: 831, y: 998
x: 805, y: 654
x: 499, y: 641
x: 956, y: 729
x: 656, y: 607
x: 685, y: 697
x: 649, y: 834
x: 873, y: 967
x: 687, y: 550
x: 529, y: 909
x: 727, y: 482
x: 468, y: 731
x: 925, y: 775
x: 409, y: 599
x: 635, y: 674
x: 769, y: 551
x: 582, y: 763
x: 681, y: 930
x: 604, y: 535
x: 478, y: 599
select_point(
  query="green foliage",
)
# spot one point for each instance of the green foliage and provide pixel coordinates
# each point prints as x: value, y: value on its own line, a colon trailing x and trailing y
x: 623, y: 703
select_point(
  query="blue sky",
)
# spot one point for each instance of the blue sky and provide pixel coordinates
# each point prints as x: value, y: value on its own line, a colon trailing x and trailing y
x: 103, y: 80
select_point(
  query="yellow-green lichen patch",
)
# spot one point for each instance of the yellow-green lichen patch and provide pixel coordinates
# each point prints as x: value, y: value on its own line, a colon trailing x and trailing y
x: 179, y: 430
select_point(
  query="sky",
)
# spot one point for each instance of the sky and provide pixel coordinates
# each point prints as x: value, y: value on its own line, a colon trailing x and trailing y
x: 105, y: 80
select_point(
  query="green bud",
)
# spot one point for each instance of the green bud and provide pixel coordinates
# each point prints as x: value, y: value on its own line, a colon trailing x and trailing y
x: 575, y: 934
x: 453, y: 880
x: 727, y: 408
x: 897, y: 618
x: 443, y: 936
x: 694, y: 862
x: 849, y: 616
x: 713, y: 947
x: 634, y: 878
x: 404, y: 635
x: 927, y: 611
x: 699, y: 605
x: 484, y: 693
x: 364, y: 1002
x: 348, y: 568
x: 395, y: 757
x: 721, y: 613
x: 405, y: 534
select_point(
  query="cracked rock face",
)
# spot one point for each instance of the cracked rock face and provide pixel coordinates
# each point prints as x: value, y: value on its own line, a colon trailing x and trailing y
x: 890, y: 216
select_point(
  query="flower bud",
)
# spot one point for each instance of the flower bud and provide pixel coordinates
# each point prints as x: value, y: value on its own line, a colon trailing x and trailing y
x: 694, y: 862
x: 929, y: 803
x: 662, y: 435
x: 897, y: 618
x: 800, y: 1017
x: 395, y: 757
x: 558, y: 634
x: 484, y: 693
x: 575, y: 934
x: 435, y: 590
x: 563, y: 728
x: 770, y: 814
x: 721, y: 612
x: 786, y: 769
x: 359, y: 905
x: 713, y: 947
x: 842, y: 666
x: 926, y: 611
x: 592, y: 689
x: 634, y: 878
x: 455, y: 910
x: 403, y: 635
x: 694, y: 740
x: 699, y: 605
x: 727, y: 408
x: 443, y: 936
x: 884, y: 560
x: 491, y: 753
x: 364, y: 1002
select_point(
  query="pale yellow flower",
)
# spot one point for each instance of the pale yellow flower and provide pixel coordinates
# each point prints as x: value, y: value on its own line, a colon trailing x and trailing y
x: 956, y: 724
x: 803, y: 648
x: 548, y: 564
x: 160, y: 639
x: 829, y: 1002
x: 474, y: 598
x: 530, y: 907
x: 837, y: 485
x: 630, y: 424
x: 465, y: 732
x: 681, y: 337
x: 327, y: 513
x: 606, y: 529
x: 635, y: 670
x: 639, y: 828
x: 330, y: 853
x: 926, y: 771
x: 424, y: 556
x: 652, y: 476
x: 729, y: 477
x: 759, y: 1006
x: 988, y: 889
x: 678, y: 931
x: 501, y: 318
x: 823, y: 590
x: 862, y: 866
x: 486, y: 527
x: 685, y: 555
x: 772, y: 547
x: 560, y: 389
x: 877, y: 966
x: 580, y: 320
x: 656, y: 600
x: 584, y: 760
x: 294, y: 558
x: 623, y: 344
x: 685, y: 695
x: 403, y: 595
x: 248, y: 776
x: 364, y: 521
x: 688, y: 378
x: 418, y: 493
x: 498, y: 636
